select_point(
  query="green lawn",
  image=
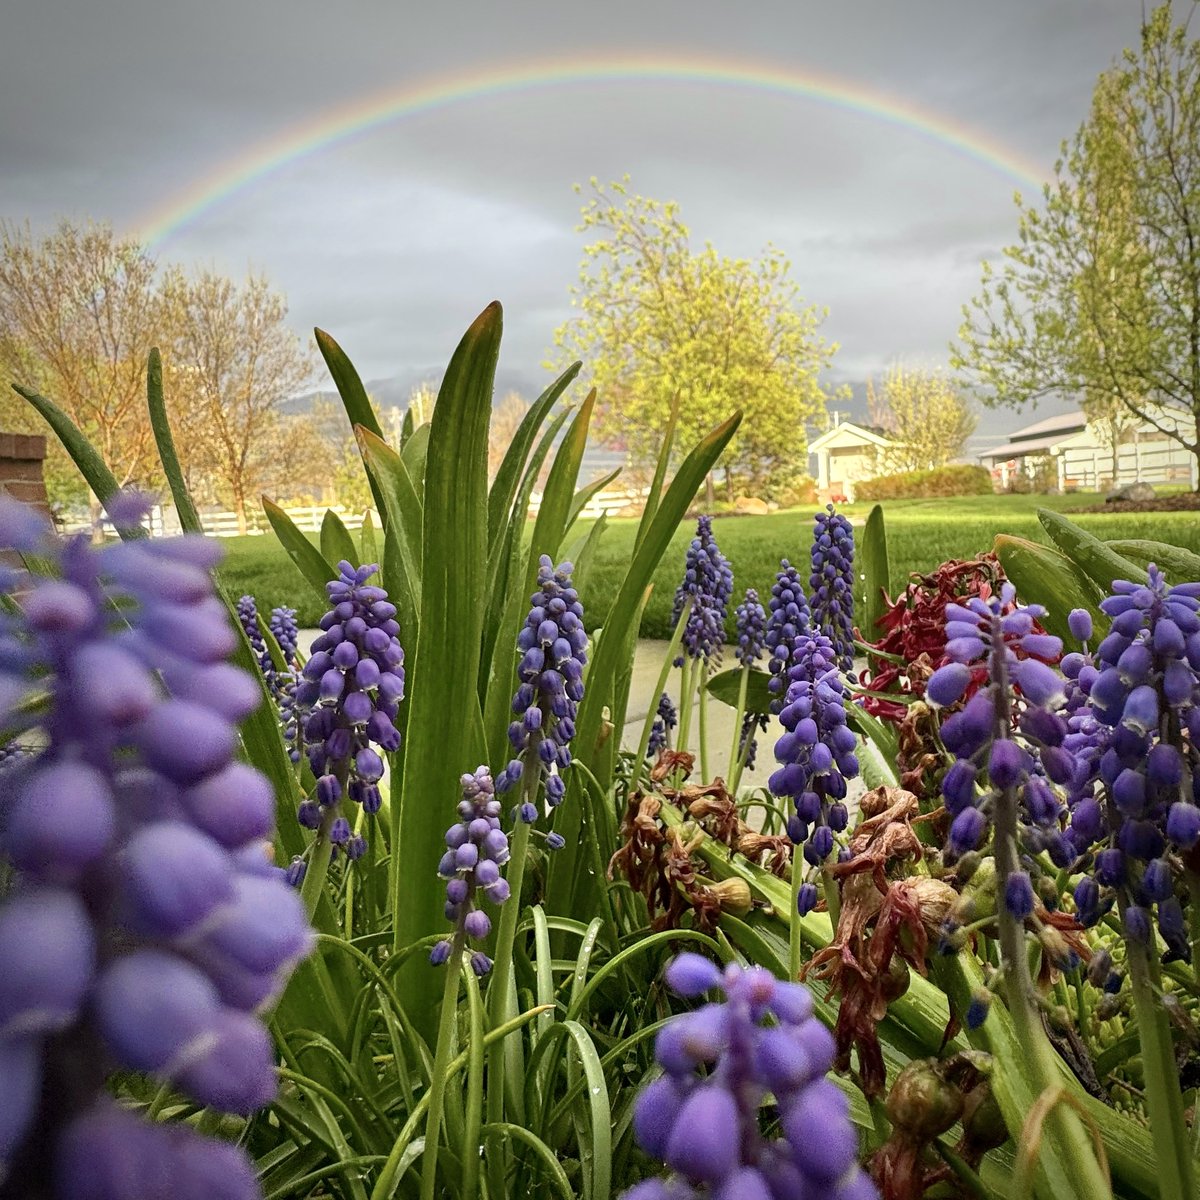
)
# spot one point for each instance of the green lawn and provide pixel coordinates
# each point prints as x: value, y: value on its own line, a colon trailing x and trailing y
x: 921, y: 534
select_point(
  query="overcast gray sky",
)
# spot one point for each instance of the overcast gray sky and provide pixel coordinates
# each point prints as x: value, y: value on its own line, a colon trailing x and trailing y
x: 393, y: 239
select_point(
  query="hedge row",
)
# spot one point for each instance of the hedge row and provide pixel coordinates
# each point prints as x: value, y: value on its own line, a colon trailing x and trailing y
x: 916, y: 485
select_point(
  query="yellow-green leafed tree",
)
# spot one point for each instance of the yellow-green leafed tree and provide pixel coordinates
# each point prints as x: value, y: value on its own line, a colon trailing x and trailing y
x: 1099, y: 298
x: 657, y: 318
x: 924, y: 413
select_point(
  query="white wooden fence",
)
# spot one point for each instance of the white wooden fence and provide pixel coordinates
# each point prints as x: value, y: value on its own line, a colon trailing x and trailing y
x: 163, y: 520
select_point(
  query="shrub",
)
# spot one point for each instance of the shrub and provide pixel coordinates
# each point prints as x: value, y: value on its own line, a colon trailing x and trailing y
x: 916, y: 485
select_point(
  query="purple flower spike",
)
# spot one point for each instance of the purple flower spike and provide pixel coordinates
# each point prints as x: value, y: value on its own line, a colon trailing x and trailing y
x: 349, y: 697
x: 478, y: 848
x: 787, y: 626
x: 665, y: 719
x: 554, y: 643
x: 816, y: 750
x: 708, y: 583
x: 143, y: 905
x: 761, y: 1039
x: 1134, y: 788
x: 750, y: 623
x: 831, y: 584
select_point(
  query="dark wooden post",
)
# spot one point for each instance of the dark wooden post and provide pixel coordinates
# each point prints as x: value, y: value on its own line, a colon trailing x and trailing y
x: 21, y: 457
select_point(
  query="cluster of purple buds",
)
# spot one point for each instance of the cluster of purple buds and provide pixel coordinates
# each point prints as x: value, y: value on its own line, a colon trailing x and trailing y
x: 146, y: 925
x: 831, y: 585
x: 1009, y: 737
x: 286, y: 633
x: 553, y: 645
x: 750, y: 623
x: 787, y: 627
x: 761, y: 1040
x: 352, y: 688
x: 708, y: 584
x: 1136, y: 792
x: 752, y: 725
x: 477, y: 847
x: 816, y: 749
x: 665, y: 719
x: 281, y: 682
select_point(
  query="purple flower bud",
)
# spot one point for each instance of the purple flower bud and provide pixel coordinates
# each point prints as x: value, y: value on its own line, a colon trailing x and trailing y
x: 967, y: 830
x: 824, y: 1142
x: 655, y: 1113
x: 1079, y: 621
x: 1006, y: 763
x: 1137, y: 924
x: 234, y: 806
x: 48, y: 951
x: 62, y: 820
x: 174, y: 877
x: 1018, y: 894
x: 156, y: 1011
x: 205, y: 748
x: 1183, y: 825
x: 691, y: 974
x: 700, y: 1145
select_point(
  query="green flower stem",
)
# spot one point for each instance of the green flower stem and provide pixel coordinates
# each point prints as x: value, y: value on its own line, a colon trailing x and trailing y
x: 499, y: 988
x: 735, y: 752
x: 1066, y: 1137
x: 441, y: 1061
x: 832, y: 897
x: 687, y: 695
x: 1164, y: 1100
x: 705, y: 777
x: 318, y: 862
x: 1069, y: 1139
x: 663, y: 675
x: 795, y: 925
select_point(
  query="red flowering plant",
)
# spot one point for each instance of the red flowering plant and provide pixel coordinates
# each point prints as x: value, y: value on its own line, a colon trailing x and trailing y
x: 914, y: 642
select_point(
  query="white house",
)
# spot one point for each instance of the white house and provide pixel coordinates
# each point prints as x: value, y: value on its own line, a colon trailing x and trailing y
x: 847, y: 454
x: 1081, y: 454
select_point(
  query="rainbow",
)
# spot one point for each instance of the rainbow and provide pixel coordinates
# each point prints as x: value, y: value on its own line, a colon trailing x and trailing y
x: 366, y: 114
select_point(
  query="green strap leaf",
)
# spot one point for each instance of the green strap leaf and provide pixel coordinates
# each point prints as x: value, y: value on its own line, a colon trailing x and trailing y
x: 1045, y: 576
x: 310, y: 562
x: 1180, y: 565
x: 336, y: 542
x: 726, y: 685
x: 445, y: 725
x: 1099, y: 562
x: 504, y: 487
x: 164, y: 439
x: 579, y: 503
x: 83, y: 454
x: 873, y: 556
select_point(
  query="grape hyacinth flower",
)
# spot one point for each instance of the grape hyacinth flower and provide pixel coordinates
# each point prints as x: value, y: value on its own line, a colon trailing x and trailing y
x: 761, y: 1039
x: 281, y: 684
x: 1006, y: 742
x: 750, y: 622
x: 145, y: 926
x: 247, y: 611
x: 477, y: 847
x: 831, y: 584
x: 286, y: 633
x: 665, y: 719
x: 352, y: 687
x: 1136, y: 741
x: 708, y: 583
x: 553, y: 644
x: 752, y: 725
x: 787, y: 626
x: 816, y: 749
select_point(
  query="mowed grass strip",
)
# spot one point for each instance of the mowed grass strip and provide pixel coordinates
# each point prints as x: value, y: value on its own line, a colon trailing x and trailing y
x: 920, y: 533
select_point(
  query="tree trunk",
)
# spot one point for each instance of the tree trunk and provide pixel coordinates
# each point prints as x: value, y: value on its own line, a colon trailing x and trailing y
x: 710, y: 492
x: 239, y: 508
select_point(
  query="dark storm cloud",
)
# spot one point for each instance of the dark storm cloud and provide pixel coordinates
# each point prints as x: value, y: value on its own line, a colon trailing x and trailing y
x: 395, y: 239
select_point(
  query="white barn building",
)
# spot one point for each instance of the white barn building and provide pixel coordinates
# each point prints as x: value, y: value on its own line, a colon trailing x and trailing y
x: 1080, y: 454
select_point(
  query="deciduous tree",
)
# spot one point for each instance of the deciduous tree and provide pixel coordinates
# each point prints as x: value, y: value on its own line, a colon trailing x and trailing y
x: 925, y: 414
x: 232, y: 362
x: 79, y: 312
x: 657, y: 318
x: 1100, y: 296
